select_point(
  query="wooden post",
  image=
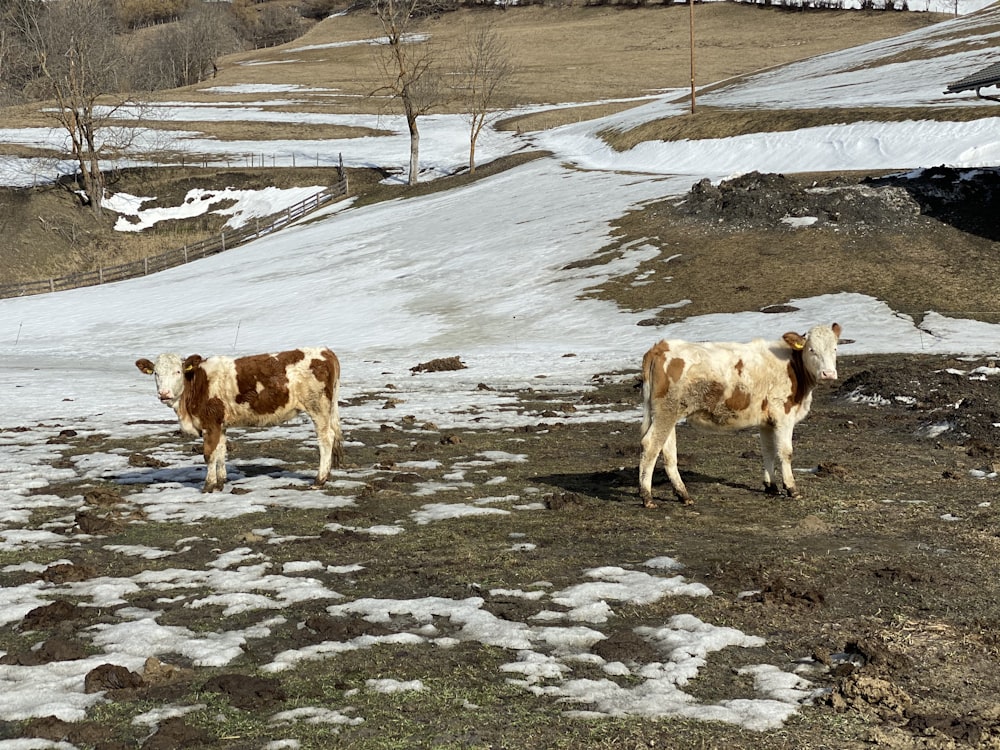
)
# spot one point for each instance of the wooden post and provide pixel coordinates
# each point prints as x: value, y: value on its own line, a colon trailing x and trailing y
x: 691, y: 25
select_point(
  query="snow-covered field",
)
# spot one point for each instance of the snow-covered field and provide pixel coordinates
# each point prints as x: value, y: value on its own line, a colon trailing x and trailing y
x: 478, y: 272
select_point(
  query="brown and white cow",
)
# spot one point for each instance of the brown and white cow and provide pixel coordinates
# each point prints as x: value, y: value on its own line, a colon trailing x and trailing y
x: 763, y: 384
x: 212, y: 394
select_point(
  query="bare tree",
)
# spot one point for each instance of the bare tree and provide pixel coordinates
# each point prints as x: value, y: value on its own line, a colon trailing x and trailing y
x: 485, y: 67
x: 15, y: 64
x: 408, y: 68
x: 83, y: 66
x: 186, y: 52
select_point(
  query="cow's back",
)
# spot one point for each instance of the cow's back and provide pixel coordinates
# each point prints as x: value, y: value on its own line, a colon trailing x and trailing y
x: 266, y: 389
x: 722, y: 384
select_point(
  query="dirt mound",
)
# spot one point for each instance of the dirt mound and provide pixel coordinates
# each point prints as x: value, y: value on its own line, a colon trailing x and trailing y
x: 967, y: 199
x: 756, y: 200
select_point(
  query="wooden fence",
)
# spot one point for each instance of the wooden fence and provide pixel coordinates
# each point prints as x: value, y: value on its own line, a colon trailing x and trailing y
x: 154, y: 263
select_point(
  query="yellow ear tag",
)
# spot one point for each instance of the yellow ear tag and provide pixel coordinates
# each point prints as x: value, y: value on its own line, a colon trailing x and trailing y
x: 191, y: 367
x: 800, y: 344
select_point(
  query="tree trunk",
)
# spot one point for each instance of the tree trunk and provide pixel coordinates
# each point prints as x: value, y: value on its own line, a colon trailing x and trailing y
x: 411, y: 121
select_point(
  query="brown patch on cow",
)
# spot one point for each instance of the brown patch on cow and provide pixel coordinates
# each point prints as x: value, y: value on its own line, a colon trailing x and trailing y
x: 190, y: 364
x: 675, y: 369
x: 652, y: 366
x: 195, y: 392
x: 194, y: 398
x: 145, y: 366
x: 739, y: 399
x: 211, y: 436
x: 800, y: 380
x: 326, y: 371
x: 739, y: 367
x: 262, y: 380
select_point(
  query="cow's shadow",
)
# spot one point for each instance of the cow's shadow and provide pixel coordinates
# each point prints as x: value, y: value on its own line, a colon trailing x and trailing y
x: 622, y: 485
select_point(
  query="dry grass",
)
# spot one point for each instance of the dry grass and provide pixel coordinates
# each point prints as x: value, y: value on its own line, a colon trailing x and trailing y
x: 240, y: 130
x: 710, y: 122
x: 564, y: 54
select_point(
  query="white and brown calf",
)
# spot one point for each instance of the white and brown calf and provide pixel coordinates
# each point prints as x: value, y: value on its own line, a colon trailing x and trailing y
x: 763, y: 384
x: 212, y: 394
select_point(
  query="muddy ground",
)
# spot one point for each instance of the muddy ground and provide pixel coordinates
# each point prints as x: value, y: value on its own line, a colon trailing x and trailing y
x: 882, y: 577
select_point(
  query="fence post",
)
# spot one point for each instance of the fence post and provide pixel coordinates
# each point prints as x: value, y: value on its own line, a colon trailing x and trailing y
x: 185, y: 253
x: 223, y: 235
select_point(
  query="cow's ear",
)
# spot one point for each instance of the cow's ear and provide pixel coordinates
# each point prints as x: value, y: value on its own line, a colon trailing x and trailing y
x: 795, y: 340
x: 145, y: 366
x: 836, y: 329
x: 191, y: 362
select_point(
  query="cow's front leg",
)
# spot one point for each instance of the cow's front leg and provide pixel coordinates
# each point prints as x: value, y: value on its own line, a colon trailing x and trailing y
x: 214, y: 449
x: 784, y: 450
x: 769, y: 452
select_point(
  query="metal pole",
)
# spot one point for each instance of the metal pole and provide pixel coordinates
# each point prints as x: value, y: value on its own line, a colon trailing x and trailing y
x: 691, y: 25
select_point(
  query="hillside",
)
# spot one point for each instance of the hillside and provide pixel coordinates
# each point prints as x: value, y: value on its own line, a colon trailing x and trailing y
x: 641, y: 50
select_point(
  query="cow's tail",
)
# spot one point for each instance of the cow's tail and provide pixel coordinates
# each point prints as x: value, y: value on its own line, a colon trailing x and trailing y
x: 648, y: 373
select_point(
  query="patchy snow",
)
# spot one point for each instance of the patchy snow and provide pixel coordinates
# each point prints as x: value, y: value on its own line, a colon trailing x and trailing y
x: 482, y: 271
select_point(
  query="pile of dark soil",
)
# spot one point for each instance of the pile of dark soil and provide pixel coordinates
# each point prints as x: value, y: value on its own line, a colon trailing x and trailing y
x: 968, y: 199
x: 756, y: 200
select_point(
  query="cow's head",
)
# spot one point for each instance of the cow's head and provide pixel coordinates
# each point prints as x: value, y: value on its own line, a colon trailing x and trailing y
x: 819, y: 350
x: 168, y: 371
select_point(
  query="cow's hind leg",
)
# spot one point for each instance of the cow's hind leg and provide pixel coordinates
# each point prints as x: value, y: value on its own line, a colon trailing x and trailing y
x: 669, y: 452
x: 658, y: 439
x: 331, y: 442
x: 337, y: 450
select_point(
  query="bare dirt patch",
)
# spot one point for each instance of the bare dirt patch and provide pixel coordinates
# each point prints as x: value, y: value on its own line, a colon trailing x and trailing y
x: 759, y: 241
